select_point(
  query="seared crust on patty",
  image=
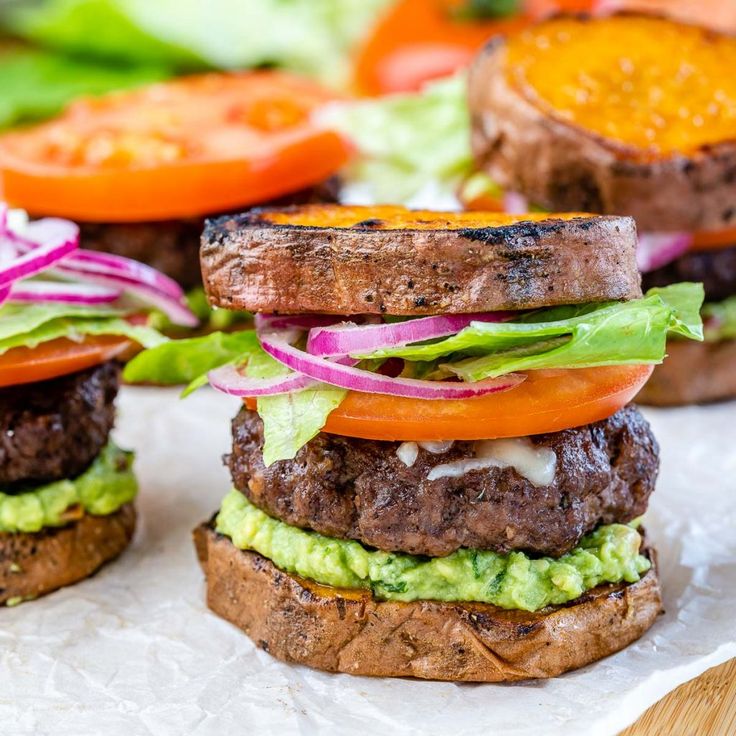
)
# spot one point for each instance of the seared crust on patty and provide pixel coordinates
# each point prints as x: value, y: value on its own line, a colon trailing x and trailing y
x: 387, y: 259
x: 35, y: 564
x: 341, y: 630
x: 360, y: 489
x: 54, y: 429
x: 716, y: 269
x: 693, y: 373
x: 563, y: 167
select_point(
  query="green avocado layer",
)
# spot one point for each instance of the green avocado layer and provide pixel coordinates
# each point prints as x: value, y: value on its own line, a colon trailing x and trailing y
x: 608, y: 555
x: 101, y: 490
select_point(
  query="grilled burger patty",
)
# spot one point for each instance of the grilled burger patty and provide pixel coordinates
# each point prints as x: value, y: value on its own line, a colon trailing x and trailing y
x: 360, y: 489
x: 172, y: 246
x: 54, y: 429
x: 715, y: 268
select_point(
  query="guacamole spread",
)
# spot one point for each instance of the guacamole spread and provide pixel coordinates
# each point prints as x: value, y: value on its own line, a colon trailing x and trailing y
x: 608, y: 555
x: 102, y: 489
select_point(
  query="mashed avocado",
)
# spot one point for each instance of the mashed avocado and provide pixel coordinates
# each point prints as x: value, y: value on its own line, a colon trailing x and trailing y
x: 608, y: 555
x: 102, y: 489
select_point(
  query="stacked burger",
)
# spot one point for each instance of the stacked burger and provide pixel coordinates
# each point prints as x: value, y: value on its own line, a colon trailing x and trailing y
x: 628, y: 115
x: 436, y: 470
x: 66, y: 489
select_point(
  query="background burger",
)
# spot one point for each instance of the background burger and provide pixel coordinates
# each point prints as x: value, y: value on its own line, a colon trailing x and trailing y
x: 66, y: 489
x: 628, y: 115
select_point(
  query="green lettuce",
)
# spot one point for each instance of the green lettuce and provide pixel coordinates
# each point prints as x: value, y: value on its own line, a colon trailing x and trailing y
x: 407, y: 140
x: 38, y: 84
x: 720, y: 320
x: 189, y: 360
x: 290, y: 420
x: 29, y: 325
x: 310, y: 36
x: 614, y: 333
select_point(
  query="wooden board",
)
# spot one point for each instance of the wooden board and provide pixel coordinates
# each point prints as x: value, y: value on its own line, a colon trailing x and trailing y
x: 705, y: 706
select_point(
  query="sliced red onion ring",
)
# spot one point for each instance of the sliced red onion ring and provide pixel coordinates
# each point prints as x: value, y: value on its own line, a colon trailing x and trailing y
x: 356, y: 379
x: 55, y: 291
x: 4, y: 294
x: 352, y: 339
x: 57, y: 242
x: 515, y: 203
x: 229, y: 380
x: 88, y: 261
x: 655, y: 250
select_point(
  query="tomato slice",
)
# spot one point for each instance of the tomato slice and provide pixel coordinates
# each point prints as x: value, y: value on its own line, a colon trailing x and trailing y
x: 714, y: 239
x: 419, y: 40
x: 547, y: 401
x: 193, y: 146
x: 58, y: 358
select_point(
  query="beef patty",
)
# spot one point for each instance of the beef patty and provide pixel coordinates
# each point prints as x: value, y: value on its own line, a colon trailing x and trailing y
x: 172, y: 246
x: 54, y: 429
x: 360, y: 489
x: 715, y: 268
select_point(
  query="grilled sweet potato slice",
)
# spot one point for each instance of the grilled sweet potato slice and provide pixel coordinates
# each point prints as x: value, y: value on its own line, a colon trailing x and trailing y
x: 35, y: 564
x: 627, y: 115
x: 362, y: 260
x: 350, y: 631
x: 694, y: 373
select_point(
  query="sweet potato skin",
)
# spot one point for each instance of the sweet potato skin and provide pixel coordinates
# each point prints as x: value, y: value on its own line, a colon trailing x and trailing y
x: 693, y: 373
x: 562, y: 167
x: 259, y: 262
x: 32, y: 565
x: 349, y: 631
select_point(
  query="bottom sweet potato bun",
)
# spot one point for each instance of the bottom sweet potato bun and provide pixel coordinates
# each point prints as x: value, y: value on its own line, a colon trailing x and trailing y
x: 340, y: 630
x: 694, y: 373
x: 33, y: 564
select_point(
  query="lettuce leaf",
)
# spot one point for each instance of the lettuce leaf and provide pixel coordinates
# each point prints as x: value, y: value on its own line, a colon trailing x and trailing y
x: 189, y: 360
x: 311, y: 36
x: 395, y: 136
x: 38, y: 84
x: 720, y: 320
x: 614, y: 333
x: 30, y: 325
x: 290, y: 420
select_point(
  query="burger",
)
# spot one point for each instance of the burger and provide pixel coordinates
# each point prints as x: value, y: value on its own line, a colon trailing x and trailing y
x: 66, y: 489
x: 139, y: 170
x: 436, y: 469
x: 628, y: 115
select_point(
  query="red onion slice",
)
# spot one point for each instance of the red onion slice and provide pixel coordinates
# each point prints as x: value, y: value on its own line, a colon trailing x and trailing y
x: 229, y: 380
x: 655, y: 250
x: 57, y: 243
x: 55, y: 291
x: 515, y: 203
x: 356, y: 379
x: 352, y: 339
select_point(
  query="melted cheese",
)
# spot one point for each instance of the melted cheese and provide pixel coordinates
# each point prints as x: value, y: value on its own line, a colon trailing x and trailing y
x: 536, y: 464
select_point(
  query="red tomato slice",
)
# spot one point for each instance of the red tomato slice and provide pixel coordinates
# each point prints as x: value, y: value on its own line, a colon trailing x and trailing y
x: 714, y: 239
x: 58, y: 358
x: 419, y: 40
x: 547, y: 401
x: 189, y: 147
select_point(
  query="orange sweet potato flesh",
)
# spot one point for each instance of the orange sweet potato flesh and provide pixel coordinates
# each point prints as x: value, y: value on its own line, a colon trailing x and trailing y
x: 628, y: 114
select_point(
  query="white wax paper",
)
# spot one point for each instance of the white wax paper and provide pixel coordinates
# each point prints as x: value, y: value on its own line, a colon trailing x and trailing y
x: 134, y: 650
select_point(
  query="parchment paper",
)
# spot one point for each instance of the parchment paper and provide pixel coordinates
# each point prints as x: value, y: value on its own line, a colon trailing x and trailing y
x: 135, y: 651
